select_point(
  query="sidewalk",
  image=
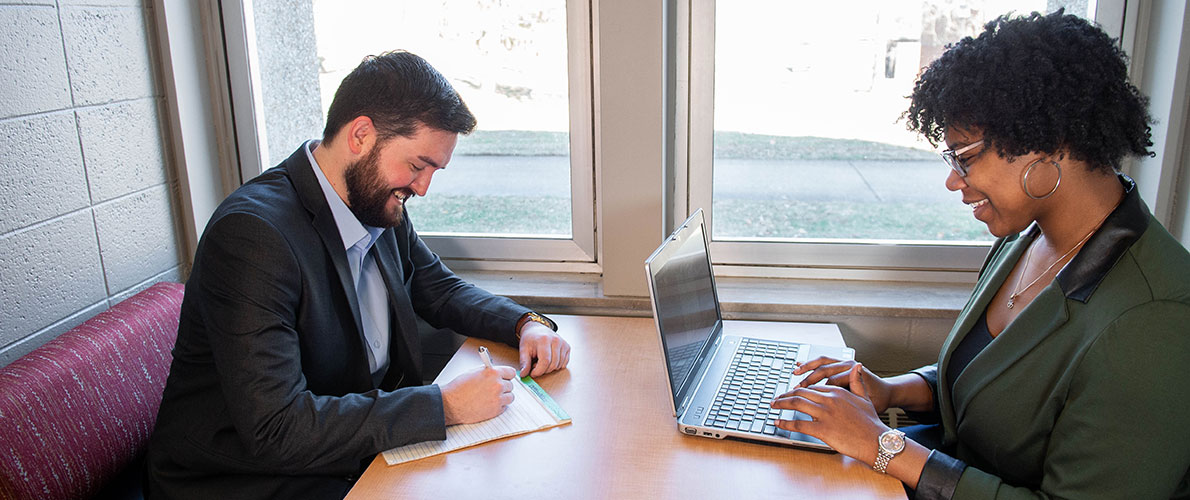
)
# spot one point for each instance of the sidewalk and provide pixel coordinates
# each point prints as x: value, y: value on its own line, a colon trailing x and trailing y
x: 806, y: 180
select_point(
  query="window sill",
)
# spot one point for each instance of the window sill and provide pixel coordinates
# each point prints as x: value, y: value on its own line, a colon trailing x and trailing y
x: 741, y: 298
x: 893, y: 326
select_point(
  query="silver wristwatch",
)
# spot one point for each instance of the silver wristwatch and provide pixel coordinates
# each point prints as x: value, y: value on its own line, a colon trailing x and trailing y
x: 890, y: 443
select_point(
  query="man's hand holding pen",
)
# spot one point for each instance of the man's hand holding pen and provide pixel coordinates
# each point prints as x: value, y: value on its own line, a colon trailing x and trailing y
x: 479, y: 394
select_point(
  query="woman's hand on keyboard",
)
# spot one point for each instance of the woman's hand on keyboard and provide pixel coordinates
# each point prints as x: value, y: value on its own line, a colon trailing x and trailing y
x: 838, y: 373
x: 844, y: 419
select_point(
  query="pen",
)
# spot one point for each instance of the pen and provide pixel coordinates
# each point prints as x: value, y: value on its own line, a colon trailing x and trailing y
x: 483, y: 353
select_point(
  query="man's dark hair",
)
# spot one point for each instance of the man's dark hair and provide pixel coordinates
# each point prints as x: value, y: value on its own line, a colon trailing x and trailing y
x: 398, y: 91
x: 1037, y: 83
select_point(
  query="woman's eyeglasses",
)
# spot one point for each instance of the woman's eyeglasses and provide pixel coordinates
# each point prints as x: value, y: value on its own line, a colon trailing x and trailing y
x: 951, y: 157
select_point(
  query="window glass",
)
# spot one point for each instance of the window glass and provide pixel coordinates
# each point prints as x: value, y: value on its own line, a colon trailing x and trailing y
x: 508, y: 61
x: 808, y: 144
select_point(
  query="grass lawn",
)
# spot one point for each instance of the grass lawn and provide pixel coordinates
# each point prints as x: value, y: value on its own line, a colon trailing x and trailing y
x: 733, y: 218
x: 740, y: 146
x: 491, y: 214
x: 797, y: 219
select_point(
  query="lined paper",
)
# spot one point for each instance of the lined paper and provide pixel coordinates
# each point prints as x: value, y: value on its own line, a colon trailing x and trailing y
x: 525, y: 414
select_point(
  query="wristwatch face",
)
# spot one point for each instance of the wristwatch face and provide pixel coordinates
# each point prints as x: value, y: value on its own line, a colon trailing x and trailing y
x: 892, y: 441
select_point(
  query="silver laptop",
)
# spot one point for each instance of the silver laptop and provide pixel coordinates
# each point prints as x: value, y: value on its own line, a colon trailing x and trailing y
x: 722, y: 384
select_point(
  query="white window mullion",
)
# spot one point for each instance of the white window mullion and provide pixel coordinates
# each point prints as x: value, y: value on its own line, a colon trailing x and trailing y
x: 243, y: 68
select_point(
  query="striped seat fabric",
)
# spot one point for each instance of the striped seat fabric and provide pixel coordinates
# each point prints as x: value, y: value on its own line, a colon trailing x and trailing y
x: 77, y: 410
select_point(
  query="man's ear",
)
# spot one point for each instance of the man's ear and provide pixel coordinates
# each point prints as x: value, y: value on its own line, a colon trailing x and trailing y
x: 361, y: 135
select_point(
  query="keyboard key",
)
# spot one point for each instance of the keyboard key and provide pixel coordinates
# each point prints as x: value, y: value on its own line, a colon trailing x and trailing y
x: 770, y: 429
x: 757, y: 425
x: 760, y: 371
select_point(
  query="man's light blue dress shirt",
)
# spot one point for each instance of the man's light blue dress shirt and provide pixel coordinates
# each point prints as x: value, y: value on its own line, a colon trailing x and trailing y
x: 358, y: 240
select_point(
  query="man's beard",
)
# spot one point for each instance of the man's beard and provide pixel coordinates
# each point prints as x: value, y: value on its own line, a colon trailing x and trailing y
x: 368, y: 196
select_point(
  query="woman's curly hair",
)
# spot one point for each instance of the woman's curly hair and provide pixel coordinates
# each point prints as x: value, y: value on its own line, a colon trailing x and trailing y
x: 1037, y: 83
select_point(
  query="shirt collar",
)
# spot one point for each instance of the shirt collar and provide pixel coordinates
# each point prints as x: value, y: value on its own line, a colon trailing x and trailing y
x: 1099, y: 255
x: 351, y: 230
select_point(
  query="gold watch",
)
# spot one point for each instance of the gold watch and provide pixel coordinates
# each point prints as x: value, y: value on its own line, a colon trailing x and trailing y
x: 536, y: 318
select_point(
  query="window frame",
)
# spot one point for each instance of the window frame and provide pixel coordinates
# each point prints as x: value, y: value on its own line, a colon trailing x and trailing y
x: 895, y: 260
x: 463, y: 251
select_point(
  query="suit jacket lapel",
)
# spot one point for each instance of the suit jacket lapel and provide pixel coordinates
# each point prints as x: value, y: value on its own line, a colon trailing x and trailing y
x: 310, y: 192
x: 1042, y: 316
x: 1046, y: 313
x: 405, y: 340
x: 996, y: 269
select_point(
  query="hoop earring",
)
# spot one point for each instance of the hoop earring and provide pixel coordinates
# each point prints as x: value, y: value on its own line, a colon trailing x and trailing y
x: 1029, y: 170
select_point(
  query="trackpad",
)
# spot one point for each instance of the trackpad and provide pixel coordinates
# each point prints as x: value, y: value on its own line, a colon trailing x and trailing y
x: 794, y: 415
x: 799, y: 437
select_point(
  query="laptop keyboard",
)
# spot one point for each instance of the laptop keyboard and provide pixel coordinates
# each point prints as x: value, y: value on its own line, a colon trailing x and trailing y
x: 759, y: 371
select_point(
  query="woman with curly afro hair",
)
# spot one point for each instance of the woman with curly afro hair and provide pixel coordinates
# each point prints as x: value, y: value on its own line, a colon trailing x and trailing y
x: 1065, y: 374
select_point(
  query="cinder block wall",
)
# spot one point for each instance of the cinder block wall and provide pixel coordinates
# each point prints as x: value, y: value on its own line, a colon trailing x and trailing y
x: 86, y: 197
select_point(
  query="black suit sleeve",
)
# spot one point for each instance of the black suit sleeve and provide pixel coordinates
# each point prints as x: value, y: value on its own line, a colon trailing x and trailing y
x: 443, y: 299
x: 250, y: 287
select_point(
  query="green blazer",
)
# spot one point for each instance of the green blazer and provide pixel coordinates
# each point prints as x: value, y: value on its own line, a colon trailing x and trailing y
x: 1086, y: 394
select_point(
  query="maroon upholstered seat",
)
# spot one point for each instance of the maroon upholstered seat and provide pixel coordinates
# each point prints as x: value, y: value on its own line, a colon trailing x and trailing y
x: 77, y: 410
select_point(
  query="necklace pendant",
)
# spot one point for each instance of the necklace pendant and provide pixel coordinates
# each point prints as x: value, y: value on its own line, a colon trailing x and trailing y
x: 1011, y: 300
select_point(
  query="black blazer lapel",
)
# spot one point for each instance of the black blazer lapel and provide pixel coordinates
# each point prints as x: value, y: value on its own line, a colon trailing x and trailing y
x: 405, y: 341
x: 310, y: 193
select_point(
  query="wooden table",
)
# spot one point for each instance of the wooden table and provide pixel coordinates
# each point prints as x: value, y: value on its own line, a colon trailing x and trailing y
x: 623, y: 442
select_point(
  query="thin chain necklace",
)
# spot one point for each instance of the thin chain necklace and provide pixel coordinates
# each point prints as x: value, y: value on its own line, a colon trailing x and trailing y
x: 1029, y: 255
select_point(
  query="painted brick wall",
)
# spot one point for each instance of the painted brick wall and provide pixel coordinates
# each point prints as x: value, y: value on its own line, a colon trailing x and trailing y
x: 86, y: 197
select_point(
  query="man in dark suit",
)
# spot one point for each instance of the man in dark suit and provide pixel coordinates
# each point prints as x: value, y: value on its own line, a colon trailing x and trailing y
x: 297, y: 357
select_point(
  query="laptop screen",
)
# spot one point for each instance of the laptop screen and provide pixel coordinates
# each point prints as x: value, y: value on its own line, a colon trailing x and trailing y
x: 684, y: 300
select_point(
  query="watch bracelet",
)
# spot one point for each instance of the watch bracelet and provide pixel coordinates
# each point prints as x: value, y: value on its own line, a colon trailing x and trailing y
x: 535, y: 318
x: 882, y: 460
